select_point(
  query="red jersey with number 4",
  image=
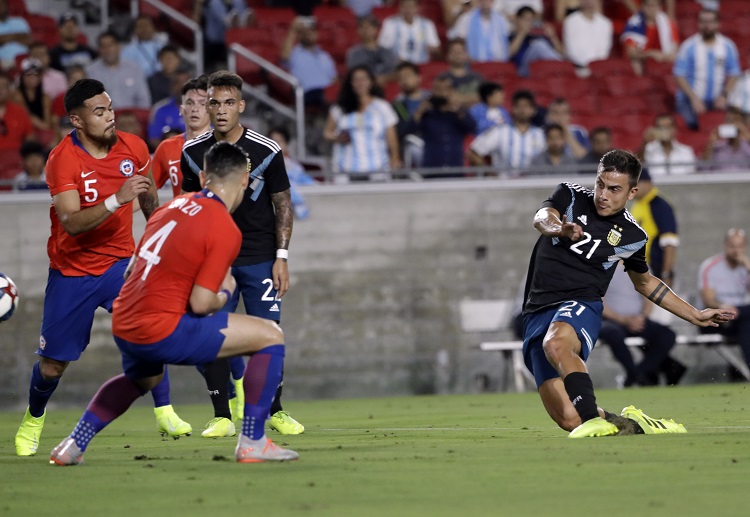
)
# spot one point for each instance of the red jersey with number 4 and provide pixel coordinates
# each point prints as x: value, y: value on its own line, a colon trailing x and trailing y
x: 71, y: 167
x: 167, y: 163
x: 191, y: 241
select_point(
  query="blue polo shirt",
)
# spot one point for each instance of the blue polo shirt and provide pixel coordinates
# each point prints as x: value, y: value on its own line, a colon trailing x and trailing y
x: 166, y: 116
x: 314, y: 68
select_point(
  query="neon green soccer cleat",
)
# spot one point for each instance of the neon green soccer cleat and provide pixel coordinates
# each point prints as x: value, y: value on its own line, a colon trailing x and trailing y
x: 219, y: 427
x: 246, y: 452
x: 27, y: 437
x: 66, y: 454
x: 652, y: 425
x: 237, y: 404
x: 283, y: 422
x: 594, y: 427
x: 169, y: 424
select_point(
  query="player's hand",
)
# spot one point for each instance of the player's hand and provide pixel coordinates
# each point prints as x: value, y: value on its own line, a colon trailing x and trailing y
x: 712, y: 317
x: 280, y: 274
x: 698, y: 105
x: 635, y: 324
x: 132, y: 187
x: 229, y: 283
x: 571, y: 231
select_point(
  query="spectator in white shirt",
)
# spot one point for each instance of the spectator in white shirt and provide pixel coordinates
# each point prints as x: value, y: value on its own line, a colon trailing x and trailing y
x: 587, y: 34
x: 485, y: 32
x: 663, y: 153
x: 739, y: 97
x: 412, y: 37
x: 511, y: 146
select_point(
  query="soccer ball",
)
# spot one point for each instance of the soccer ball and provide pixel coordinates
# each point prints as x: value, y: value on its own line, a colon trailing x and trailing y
x: 8, y: 297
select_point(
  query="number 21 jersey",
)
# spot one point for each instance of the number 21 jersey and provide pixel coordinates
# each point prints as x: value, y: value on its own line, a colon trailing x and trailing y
x: 562, y: 269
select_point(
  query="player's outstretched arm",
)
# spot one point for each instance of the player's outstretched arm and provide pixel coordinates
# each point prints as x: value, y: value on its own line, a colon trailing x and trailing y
x: 547, y: 221
x: 149, y: 200
x: 282, y: 204
x: 659, y: 293
x: 76, y: 220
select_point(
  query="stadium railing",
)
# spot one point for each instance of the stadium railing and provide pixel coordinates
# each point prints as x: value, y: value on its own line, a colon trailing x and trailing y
x: 297, y: 114
x: 178, y: 18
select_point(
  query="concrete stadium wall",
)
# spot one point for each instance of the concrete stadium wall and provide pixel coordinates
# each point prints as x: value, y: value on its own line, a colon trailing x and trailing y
x: 378, y: 273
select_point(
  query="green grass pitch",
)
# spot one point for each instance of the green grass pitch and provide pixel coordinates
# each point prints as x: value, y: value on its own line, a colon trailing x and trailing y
x: 493, y: 454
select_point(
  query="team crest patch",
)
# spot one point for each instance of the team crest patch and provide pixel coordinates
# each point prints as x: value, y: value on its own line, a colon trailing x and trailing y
x: 127, y: 168
x: 42, y: 343
x: 614, y: 236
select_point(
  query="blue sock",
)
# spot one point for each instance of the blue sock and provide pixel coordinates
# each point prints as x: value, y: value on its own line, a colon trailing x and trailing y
x: 40, y: 391
x: 160, y: 392
x: 87, y: 427
x: 237, y: 365
x: 262, y: 377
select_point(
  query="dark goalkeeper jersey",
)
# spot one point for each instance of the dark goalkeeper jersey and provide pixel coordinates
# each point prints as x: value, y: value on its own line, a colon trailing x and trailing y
x: 562, y: 270
x: 255, y: 217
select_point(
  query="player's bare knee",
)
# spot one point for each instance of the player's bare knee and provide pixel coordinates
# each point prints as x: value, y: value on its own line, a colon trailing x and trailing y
x: 555, y: 348
x: 274, y: 334
x: 51, y: 369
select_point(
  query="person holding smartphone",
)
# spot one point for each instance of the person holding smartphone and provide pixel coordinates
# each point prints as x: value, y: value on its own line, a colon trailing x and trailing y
x: 728, y: 147
x: 662, y: 152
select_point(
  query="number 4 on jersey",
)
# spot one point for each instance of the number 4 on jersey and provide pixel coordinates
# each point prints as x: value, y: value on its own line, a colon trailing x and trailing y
x: 151, y: 256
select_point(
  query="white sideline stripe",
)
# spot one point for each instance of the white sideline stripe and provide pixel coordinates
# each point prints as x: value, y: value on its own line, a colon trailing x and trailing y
x: 525, y: 428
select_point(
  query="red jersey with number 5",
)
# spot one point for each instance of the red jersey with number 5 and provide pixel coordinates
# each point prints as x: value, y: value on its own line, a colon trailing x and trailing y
x: 191, y: 241
x: 71, y: 167
x: 167, y: 163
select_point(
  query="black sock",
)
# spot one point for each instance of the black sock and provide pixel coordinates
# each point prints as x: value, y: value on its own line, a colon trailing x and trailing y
x: 581, y: 393
x: 216, y: 375
x: 276, y: 404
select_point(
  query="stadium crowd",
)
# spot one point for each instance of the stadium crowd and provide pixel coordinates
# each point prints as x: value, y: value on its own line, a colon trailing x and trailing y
x: 511, y: 86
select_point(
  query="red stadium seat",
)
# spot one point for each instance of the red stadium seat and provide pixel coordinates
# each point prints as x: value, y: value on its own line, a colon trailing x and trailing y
x: 569, y: 87
x: 381, y: 13
x: 610, y: 67
x: 17, y: 8
x: 622, y: 86
x: 657, y: 68
x: 43, y: 28
x: 332, y: 93
x: 495, y: 71
x: 549, y: 69
x: 593, y: 121
x: 623, y: 105
x: 695, y: 139
x: 710, y: 120
x: 429, y: 71
x: 391, y: 91
x: 583, y: 105
x: 270, y: 16
x: 628, y: 141
x: 327, y: 15
x: 10, y: 164
x: 635, y: 123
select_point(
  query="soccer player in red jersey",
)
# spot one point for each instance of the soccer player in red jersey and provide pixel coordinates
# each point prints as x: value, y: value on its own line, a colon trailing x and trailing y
x: 94, y: 174
x: 167, y: 156
x: 168, y: 311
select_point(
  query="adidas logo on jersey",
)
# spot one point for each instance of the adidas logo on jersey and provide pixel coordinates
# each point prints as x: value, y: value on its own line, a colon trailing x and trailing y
x: 274, y: 308
x: 566, y: 314
x: 583, y: 219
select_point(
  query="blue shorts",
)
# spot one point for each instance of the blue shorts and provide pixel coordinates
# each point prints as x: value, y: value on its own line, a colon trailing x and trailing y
x: 584, y: 317
x: 69, y: 306
x: 196, y: 340
x: 255, y: 283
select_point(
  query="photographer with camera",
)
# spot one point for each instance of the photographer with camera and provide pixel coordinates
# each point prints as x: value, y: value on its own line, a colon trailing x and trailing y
x: 443, y: 123
x: 728, y: 146
x: 662, y: 152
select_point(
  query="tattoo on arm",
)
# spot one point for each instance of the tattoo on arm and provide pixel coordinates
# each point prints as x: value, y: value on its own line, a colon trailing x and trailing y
x: 658, y: 294
x: 282, y: 203
x: 149, y: 202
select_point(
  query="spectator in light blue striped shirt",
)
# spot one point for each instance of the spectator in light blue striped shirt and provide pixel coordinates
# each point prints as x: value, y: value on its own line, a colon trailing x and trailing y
x: 706, y: 70
x: 511, y: 146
